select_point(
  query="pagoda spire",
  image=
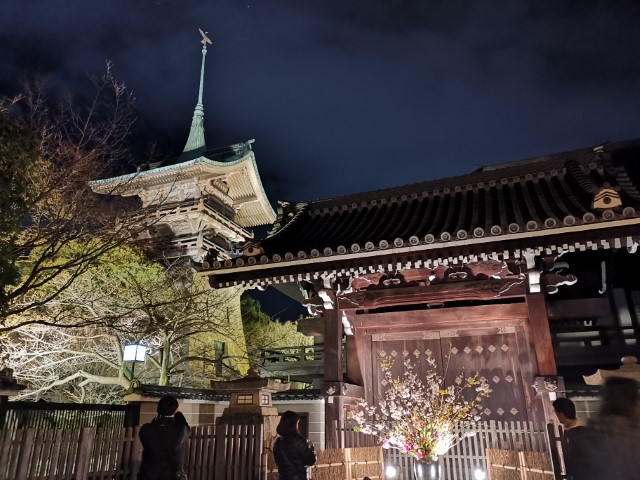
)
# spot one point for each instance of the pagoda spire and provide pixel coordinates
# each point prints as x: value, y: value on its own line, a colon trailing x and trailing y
x: 195, y: 143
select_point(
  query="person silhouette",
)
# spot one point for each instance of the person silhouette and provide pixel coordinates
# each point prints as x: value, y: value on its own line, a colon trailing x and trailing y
x: 618, y: 423
x: 293, y: 453
x: 162, y: 440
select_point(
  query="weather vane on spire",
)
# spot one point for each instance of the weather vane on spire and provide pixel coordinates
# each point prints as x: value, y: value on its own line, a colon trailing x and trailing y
x: 205, y: 39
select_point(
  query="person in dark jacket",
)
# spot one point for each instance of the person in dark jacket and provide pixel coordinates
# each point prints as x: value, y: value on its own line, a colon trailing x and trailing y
x: 581, y: 444
x: 619, y: 423
x: 293, y: 452
x: 162, y: 440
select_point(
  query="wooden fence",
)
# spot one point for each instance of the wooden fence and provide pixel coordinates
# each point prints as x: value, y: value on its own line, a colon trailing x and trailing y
x: 519, y: 465
x: 340, y: 464
x: 65, y: 454
x: 239, y: 448
x: 92, y: 453
x: 227, y: 451
x: 463, y: 460
x: 19, y: 415
x: 235, y: 451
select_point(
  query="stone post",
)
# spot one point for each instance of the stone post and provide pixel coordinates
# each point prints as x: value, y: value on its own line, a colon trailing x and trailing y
x: 250, y: 398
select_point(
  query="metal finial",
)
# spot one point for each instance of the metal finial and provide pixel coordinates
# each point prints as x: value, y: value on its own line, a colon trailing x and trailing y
x: 195, y: 142
x: 205, y: 39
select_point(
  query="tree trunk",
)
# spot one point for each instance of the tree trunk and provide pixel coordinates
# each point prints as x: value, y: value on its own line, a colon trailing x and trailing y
x: 164, y: 362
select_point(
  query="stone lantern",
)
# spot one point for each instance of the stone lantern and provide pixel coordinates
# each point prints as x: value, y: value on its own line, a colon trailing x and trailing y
x: 251, y: 398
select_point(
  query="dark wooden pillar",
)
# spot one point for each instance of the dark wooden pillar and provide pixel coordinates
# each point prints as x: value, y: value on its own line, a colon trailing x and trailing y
x: 541, y: 334
x: 332, y: 346
x: 355, y: 359
x: 4, y: 402
x: 333, y: 400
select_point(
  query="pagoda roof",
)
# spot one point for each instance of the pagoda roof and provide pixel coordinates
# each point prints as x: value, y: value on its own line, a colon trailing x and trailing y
x: 570, y: 200
x: 222, y: 161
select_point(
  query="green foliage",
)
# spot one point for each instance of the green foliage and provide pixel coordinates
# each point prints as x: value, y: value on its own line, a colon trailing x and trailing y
x: 263, y: 333
x: 49, y: 150
x: 18, y: 156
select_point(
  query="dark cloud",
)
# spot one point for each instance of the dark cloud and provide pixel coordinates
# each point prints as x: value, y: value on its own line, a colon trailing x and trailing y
x: 344, y: 96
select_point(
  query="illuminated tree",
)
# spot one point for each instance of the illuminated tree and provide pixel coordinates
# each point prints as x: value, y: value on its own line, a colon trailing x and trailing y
x: 125, y: 298
x: 264, y: 333
x: 18, y: 156
x: 53, y: 150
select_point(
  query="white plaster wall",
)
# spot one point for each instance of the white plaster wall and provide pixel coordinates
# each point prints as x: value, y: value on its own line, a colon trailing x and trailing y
x: 197, y: 412
x: 315, y: 411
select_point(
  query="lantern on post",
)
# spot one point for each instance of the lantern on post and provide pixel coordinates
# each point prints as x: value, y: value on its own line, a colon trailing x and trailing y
x: 134, y: 352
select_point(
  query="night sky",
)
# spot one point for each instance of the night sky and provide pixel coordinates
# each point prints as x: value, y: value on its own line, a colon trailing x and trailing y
x: 344, y: 96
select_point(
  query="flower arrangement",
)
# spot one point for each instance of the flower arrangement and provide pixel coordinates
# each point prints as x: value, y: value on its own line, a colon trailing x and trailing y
x: 417, y: 413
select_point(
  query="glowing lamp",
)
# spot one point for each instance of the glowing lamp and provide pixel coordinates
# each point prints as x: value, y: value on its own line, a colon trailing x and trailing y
x: 134, y: 352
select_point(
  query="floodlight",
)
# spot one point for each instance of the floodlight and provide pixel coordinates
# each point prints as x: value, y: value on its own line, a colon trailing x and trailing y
x: 390, y: 471
x: 479, y: 474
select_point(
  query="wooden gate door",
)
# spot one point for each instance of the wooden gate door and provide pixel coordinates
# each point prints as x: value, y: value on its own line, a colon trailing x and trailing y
x: 417, y: 347
x: 492, y: 353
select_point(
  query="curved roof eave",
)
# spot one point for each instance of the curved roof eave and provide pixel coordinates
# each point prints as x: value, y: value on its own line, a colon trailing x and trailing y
x: 123, y: 184
x: 259, y: 189
x: 162, y: 170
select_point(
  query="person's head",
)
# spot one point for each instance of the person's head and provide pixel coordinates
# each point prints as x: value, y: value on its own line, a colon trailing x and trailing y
x: 565, y: 411
x: 167, y: 406
x: 288, y: 425
x: 620, y: 397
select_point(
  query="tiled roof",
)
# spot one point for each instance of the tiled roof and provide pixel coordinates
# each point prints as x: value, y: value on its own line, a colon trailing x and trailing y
x: 542, y: 193
x: 524, y: 202
x: 218, y: 395
x: 237, y: 162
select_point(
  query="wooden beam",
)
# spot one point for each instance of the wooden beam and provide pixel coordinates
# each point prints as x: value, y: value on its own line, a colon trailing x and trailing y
x: 490, y: 289
x: 311, y: 327
x: 479, y: 315
x: 582, y: 308
x: 542, y: 344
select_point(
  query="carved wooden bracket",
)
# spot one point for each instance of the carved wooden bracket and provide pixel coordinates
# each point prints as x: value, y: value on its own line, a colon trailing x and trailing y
x: 552, y: 281
x: 423, y: 277
x: 436, y: 293
x: 318, y: 296
x: 548, y: 276
x: 331, y: 389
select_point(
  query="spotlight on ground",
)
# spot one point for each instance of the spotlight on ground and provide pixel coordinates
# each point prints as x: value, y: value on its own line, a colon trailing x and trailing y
x: 391, y: 471
x: 479, y: 474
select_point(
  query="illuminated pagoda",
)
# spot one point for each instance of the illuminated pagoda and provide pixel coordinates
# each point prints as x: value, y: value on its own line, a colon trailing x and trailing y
x: 200, y: 204
x: 520, y: 271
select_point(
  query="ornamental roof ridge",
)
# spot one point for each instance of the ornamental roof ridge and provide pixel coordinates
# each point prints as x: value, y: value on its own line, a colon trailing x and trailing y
x: 549, y: 165
x: 287, y: 214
